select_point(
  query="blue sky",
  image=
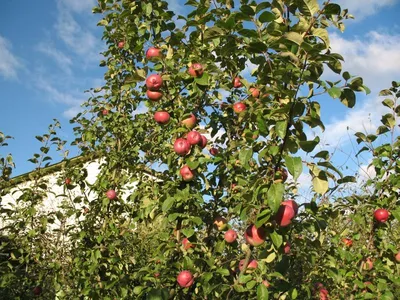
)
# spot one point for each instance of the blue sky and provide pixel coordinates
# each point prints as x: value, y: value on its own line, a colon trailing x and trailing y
x: 49, y: 54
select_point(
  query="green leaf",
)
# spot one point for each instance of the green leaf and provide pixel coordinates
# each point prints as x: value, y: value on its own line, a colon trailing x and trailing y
x: 223, y: 272
x: 188, y: 232
x: 156, y: 294
x: 334, y: 92
x: 168, y: 203
x: 294, y: 37
x: 348, y: 98
x: 309, y: 7
x: 266, y: 17
x: 276, y: 238
x: 320, y: 180
x: 332, y: 9
x: 270, y: 258
x: 388, y: 120
x: 203, y: 80
x: 280, y: 128
x: 263, y: 217
x: 213, y: 32
x: 245, y: 156
x: 294, y: 165
x: 262, y: 292
x: 308, y: 146
x: 275, y: 196
x: 323, y: 35
x: 396, y: 214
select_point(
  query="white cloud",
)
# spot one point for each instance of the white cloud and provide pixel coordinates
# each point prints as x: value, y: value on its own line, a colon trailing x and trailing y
x: 62, y: 60
x: 9, y: 63
x: 363, y: 8
x: 79, y: 6
x: 375, y: 57
x: 57, y: 96
x: 80, y: 40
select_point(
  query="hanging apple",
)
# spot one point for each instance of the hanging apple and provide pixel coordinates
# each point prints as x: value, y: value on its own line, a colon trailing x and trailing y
x: 186, y: 173
x: 255, y: 236
x: 161, y: 117
x: 193, y: 137
x: 196, y: 70
x: 153, y: 53
x: 239, y: 107
x: 230, y: 236
x: 185, y: 279
x: 381, y: 215
x: 181, y: 146
x: 154, y: 82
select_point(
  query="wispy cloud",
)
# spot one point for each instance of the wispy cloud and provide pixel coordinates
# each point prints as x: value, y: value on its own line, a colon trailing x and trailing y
x: 81, y: 41
x: 10, y: 64
x: 62, y: 60
x: 364, y: 8
x: 79, y: 6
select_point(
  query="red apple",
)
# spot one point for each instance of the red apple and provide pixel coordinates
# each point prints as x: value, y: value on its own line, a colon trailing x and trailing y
x: 111, y: 194
x: 214, y: 151
x: 190, y: 122
x: 161, y: 117
x: 239, y: 107
x: 154, y: 95
x: 236, y: 82
x: 193, y: 137
x: 186, y: 173
x: 37, y: 290
x: 153, y: 52
x: 286, y: 248
x: 203, y: 142
x: 285, y: 215
x: 121, y: 44
x: 347, y: 242
x: 105, y: 112
x: 156, y: 275
x: 154, y: 82
x: 196, y: 70
x: 255, y: 236
x: 266, y: 283
x: 292, y: 204
x: 323, y: 294
x: 186, y: 244
x: 85, y: 210
x: 185, y: 279
x: 397, y: 257
x: 253, y: 264
x: 381, y: 215
x: 254, y: 92
x: 230, y: 236
x: 67, y: 181
x: 367, y: 264
x: 221, y: 223
x: 181, y: 146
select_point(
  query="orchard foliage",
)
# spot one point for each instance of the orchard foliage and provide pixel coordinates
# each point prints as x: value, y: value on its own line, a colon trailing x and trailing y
x: 247, y: 78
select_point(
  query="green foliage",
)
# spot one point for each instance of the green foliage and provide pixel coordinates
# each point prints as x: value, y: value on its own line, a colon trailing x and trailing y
x: 134, y: 246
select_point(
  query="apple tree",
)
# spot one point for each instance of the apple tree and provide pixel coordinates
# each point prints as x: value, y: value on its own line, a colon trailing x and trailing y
x: 200, y: 129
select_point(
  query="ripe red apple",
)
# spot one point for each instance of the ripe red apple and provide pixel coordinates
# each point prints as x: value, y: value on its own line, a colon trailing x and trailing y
x: 230, y: 236
x: 397, y: 257
x: 203, y: 142
x: 121, y: 44
x: 381, y: 215
x: 37, y: 290
x: 154, y: 82
x: 214, y: 151
x: 187, y: 244
x: 292, y: 204
x: 190, y: 122
x: 161, y: 117
x: 286, y: 248
x: 153, y: 53
x: 221, y: 223
x: 266, y: 283
x: 253, y: 264
x: 181, y: 146
x: 185, y: 279
x: 154, y: 95
x: 239, y: 107
x: 254, y: 92
x: 323, y: 294
x: 255, y: 236
x: 156, y: 275
x: 236, y: 82
x: 196, y: 70
x: 111, y: 194
x: 348, y: 242
x: 368, y: 264
x: 105, y: 112
x: 284, y: 215
x: 67, y: 181
x: 186, y: 173
x: 193, y: 137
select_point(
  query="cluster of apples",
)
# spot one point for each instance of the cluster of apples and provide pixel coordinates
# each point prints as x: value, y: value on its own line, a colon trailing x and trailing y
x: 254, y: 236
